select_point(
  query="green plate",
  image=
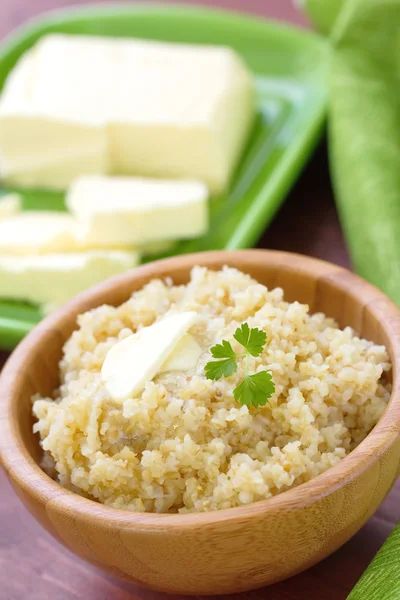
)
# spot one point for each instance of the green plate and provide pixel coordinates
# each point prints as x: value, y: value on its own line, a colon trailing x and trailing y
x: 290, y: 70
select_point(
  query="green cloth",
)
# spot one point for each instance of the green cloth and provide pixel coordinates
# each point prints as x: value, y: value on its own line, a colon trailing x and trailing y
x: 364, y: 131
x: 323, y: 13
x: 381, y: 581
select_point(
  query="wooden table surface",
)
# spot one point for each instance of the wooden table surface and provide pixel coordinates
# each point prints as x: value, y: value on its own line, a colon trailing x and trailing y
x: 33, y: 565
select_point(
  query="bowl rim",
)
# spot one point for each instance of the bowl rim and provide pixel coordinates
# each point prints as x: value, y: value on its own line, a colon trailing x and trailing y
x: 26, y: 474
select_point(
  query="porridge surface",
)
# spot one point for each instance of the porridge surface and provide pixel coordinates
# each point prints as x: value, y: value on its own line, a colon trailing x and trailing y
x: 184, y: 444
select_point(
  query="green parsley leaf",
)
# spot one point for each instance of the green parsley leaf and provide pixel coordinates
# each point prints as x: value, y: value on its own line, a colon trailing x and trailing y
x: 226, y: 366
x: 253, y: 340
x: 223, y: 350
x: 220, y: 368
x: 255, y: 390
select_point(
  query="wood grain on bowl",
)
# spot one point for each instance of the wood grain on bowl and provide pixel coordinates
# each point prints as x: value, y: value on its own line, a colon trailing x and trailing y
x: 204, y: 553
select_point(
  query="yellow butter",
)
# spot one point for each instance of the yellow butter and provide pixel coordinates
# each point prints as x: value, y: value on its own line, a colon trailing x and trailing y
x: 10, y: 205
x: 52, y: 279
x: 184, y: 357
x: 39, y: 232
x: 124, y: 211
x: 137, y: 359
x: 129, y: 107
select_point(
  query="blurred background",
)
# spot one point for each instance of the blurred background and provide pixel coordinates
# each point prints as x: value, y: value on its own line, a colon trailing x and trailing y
x: 15, y: 12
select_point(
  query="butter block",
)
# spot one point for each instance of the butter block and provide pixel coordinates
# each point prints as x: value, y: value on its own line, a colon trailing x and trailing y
x: 44, y: 142
x: 18, y: 85
x: 126, y: 211
x: 84, y: 62
x: 126, y: 107
x: 52, y: 279
x: 10, y: 205
x: 184, y: 111
x: 38, y: 233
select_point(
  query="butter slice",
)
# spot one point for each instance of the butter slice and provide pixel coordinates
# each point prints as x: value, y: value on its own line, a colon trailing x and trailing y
x: 37, y: 233
x: 52, y: 279
x: 126, y: 107
x: 10, y: 205
x: 137, y: 359
x: 123, y: 211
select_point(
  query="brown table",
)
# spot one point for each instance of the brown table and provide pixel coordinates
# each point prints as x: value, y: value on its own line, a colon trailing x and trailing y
x: 34, y: 566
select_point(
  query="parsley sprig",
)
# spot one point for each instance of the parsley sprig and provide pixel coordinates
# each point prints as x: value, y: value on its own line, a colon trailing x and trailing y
x: 254, y: 390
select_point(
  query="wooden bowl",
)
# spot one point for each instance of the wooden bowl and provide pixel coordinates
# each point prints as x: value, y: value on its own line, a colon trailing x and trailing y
x: 223, y: 551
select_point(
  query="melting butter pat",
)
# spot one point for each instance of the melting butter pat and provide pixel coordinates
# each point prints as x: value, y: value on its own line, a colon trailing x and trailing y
x: 185, y: 356
x: 137, y: 359
x: 52, y: 279
x: 10, y: 205
x: 124, y: 211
